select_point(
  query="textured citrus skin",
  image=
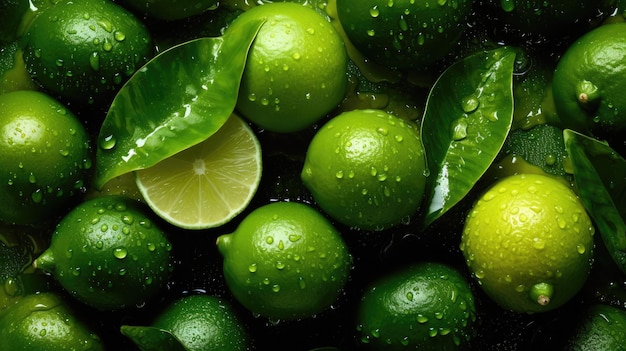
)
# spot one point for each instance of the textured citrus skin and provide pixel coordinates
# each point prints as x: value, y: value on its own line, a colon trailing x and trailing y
x: 45, y: 321
x: 46, y: 157
x: 108, y: 254
x: 525, y: 231
x: 588, y: 82
x: 84, y: 50
x: 203, y: 322
x: 296, y: 70
x: 404, y: 33
x: 427, y: 306
x: 366, y: 168
x: 285, y: 261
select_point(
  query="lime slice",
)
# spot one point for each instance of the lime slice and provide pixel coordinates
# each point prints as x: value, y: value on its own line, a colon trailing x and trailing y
x: 208, y: 184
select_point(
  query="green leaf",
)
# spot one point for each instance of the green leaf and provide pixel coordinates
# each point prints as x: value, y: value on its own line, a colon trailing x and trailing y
x: 152, y: 339
x: 600, y: 176
x: 178, y: 99
x: 468, y: 116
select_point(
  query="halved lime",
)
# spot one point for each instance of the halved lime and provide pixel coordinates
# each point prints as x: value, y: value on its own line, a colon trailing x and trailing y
x: 207, y: 185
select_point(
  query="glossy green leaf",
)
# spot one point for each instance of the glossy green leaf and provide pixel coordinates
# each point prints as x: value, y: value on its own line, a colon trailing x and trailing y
x: 178, y: 99
x: 600, y: 176
x: 468, y: 116
x: 152, y: 339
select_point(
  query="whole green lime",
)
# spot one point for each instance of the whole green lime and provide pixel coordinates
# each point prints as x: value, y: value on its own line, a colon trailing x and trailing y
x: 405, y: 34
x: 84, y: 50
x: 426, y: 306
x: 108, y: 254
x: 46, y: 157
x: 602, y: 327
x: 367, y: 169
x: 286, y: 261
x: 528, y: 241
x: 588, y: 82
x: 296, y: 69
x: 45, y: 322
x: 203, y: 322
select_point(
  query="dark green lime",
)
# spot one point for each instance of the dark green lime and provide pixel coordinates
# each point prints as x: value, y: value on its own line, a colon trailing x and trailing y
x: 404, y: 33
x: 45, y: 322
x: 426, y: 306
x: 84, y: 50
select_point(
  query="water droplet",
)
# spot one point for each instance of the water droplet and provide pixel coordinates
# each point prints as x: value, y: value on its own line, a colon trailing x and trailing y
x: 275, y: 288
x: 37, y: 196
x: 539, y: 244
x: 459, y: 129
x: 294, y: 237
x: 280, y: 265
x: 422, y: 319
x: 151, y: 247
x: 94, y: 60
x: 108, y: 142
x: 119, y: 36
x: 339, y: 175
x: 580, y: 248
x: 371, y: 32
x: 107, y: 46
x: 120, y: 253
x: 252, y: 268
x: 269, y: 240
x: 374, y: 11
x: 470, y: 104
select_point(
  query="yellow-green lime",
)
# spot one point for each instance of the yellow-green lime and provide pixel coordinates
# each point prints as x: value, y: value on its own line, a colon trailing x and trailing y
x: 109, y: 254
x: 425, y: 306
x: 588, y: 84
x: 528, y: 241
x: 366, y: 169
x: 200, y: 323
x: 285, y: 261
x: 208, y: 184
x: 46, y: 157
x: 296, y: 69
x: 45, y: 321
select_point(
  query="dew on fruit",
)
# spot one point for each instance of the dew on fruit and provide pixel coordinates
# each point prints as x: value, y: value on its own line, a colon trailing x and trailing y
x: 120, y: 253
x: 94, y: 60
x: 119, y: 36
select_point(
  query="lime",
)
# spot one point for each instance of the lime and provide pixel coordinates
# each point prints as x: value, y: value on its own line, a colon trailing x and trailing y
x: 296, y: 68
x: 285, y: 261
x: 108, y: 254
x: 602, y: 327
x: 366, y: 168
x: 45, y: 154
x: 588, y: 82
x: 208, y: 184
x: 425, y: 306
x: 405, y: 34
x: 45, y: 322
x: 84, y: 50
x: 203, y: 322
x: 170, y: 10
x: 529, y: 243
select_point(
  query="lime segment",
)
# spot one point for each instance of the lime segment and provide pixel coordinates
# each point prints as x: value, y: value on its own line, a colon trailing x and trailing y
x: 208, y: 184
